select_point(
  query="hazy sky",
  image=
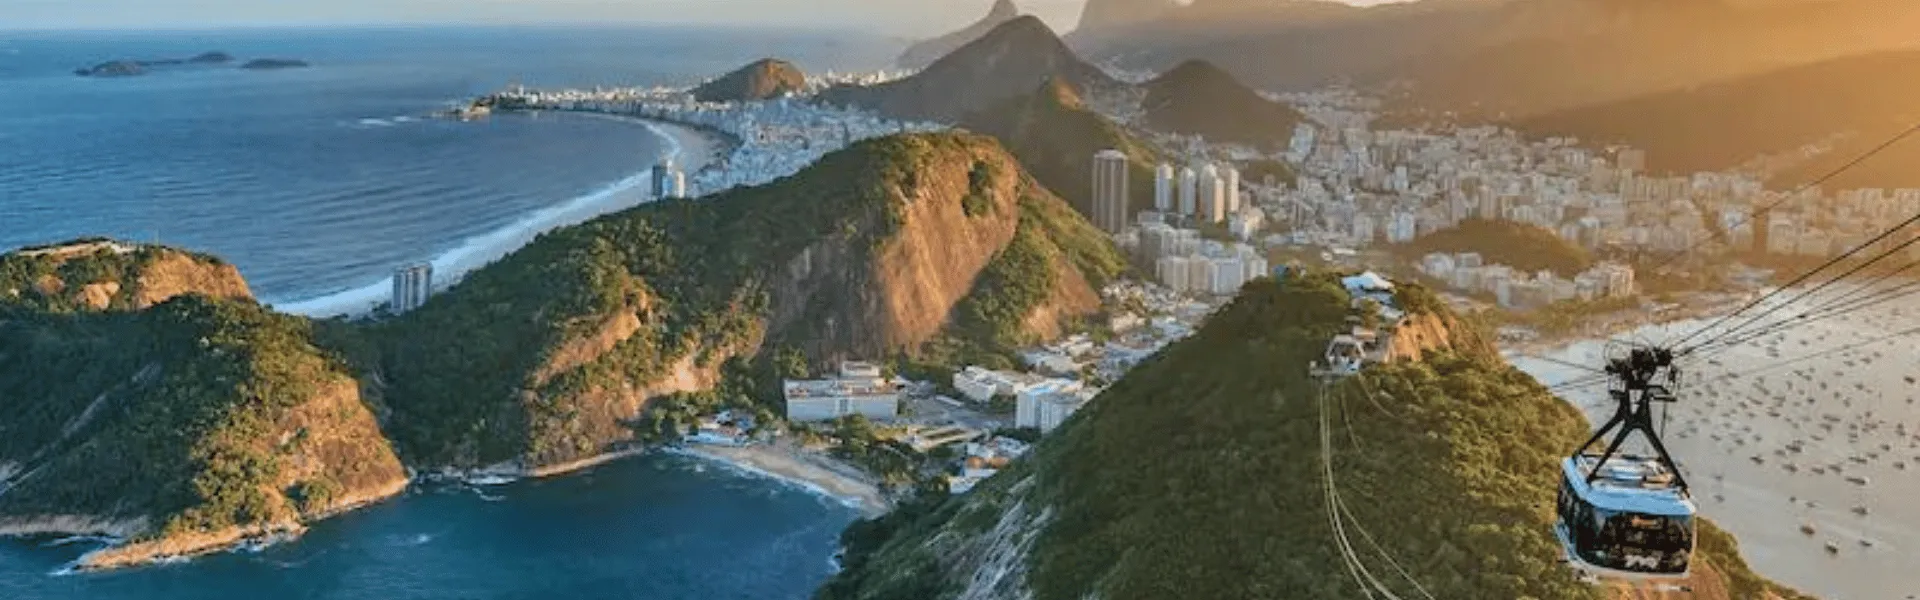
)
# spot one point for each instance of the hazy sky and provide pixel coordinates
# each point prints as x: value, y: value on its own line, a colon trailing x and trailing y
x: 903, y: 17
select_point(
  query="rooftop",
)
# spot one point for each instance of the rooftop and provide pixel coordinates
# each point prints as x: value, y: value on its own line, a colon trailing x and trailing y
x: 1629, y: 483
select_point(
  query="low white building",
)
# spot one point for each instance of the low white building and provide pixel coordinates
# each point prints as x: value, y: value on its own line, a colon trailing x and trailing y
x: 857, y: 389
x: 1048, y: 404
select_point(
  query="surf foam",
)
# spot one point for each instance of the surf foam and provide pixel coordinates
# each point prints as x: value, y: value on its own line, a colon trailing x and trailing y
x: 480, y: 250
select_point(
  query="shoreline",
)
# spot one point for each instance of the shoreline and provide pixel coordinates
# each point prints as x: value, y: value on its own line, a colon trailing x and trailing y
x: 796, y: 467
x: 694, y: 148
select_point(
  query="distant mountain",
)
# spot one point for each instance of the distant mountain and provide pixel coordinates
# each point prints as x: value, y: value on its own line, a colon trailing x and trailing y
x: 1009, y: 61
x: 1199, y: 475
x: 1197, y: 98
x: 925, y: 52
x: 1055, y: 137
x: 1857, y: 102
x: 759, y: 80
x: 1515, y: 58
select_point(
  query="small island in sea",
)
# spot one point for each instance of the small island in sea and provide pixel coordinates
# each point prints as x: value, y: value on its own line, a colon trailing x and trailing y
x: 274, y: 63
x: 131, y: 67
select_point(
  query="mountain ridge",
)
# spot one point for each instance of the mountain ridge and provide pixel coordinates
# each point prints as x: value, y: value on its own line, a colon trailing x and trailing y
x: 1010, y: 60
x: 924, y: 52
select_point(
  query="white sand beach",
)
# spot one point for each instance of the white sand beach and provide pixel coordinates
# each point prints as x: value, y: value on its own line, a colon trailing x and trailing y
x: 690, y: 148
x: 1772, y: 443
x: 806, y: 468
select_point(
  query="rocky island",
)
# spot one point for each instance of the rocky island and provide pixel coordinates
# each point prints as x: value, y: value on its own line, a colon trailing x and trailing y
x: 129, y: 67
x: 263, y: 64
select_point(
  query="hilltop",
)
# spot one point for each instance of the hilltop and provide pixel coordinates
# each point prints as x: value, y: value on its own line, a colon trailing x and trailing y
x: 899, y: 246
x: 1197, y: 98
x: 182, y: 427
x: 97, y: 274
x: 925, y: 52
x: 759, y: 80
x: 1859, y: 101
x: 1055, y: 136
x: 1011, y: 60
x: 1217, y: 495
x: 1525, y: 247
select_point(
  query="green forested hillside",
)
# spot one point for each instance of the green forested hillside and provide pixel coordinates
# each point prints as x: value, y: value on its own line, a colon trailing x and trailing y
x: 196, y: 414
x: 1055, y: 136
x: 541, y: 356
x: 1198, y: 476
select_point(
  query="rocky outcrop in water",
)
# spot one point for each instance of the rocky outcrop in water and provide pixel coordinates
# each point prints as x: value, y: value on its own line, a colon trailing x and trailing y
x: 264, y: 64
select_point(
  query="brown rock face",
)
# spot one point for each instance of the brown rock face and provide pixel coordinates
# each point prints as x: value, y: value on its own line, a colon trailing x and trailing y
x: 106, y: 275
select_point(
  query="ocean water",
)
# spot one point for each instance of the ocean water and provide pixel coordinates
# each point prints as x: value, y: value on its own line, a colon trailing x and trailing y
x: 322, y: 180
x: 1842, y: 391
x: 658, y: 527
x: 314, y: 181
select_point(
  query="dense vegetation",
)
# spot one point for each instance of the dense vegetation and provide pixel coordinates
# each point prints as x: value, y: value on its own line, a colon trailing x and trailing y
x: 1055, y: 136
x: 175, y: 414
x: 462, y: 369
x: 1524, y: 247
x: 1197, y: 98
x: 1448, y: 463
x: 56, y: 282
x: 541, y: 356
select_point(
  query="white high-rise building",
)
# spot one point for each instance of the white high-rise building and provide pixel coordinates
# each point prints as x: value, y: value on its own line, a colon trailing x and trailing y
x: 1189, y: 188
x: 1213, y: 196
x: 668, y: 181
x: 412, y: 285
x: 1233, y: 189
x: 1163, y: 188
x: 1110, y: 190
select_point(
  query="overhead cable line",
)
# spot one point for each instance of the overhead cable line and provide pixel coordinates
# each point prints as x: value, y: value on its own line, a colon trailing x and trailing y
x: 1802, y: 279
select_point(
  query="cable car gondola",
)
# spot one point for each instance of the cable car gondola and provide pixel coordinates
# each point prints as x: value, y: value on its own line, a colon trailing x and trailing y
x: 1622, y: 515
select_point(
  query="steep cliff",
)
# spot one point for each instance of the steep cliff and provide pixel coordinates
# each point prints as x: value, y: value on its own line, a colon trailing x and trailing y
x: 1199, y: 475
x: 759, y: 80
x: 1011, y: 60
x: 925, y: 52
x: 544, y: 358
x: 183, y: 428
x: 108, y: 275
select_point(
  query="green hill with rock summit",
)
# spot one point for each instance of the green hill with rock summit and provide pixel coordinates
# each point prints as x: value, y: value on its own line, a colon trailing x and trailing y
x: 248, y: 422
x: 1198, y: 475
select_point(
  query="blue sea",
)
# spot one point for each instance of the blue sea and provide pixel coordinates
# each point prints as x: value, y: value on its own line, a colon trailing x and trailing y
x: 658, y: 527
x: 320, y: 181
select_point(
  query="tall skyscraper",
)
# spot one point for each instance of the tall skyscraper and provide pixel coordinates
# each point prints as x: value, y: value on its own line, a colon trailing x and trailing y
x: 668, y: 181
x: 1110, y: 190
x: 412, y: 284
x: 1163, y: 188
x: 1189, y: 186
x: 1213, y: 195
x: 1233, y: 189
